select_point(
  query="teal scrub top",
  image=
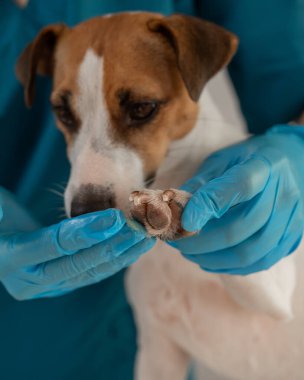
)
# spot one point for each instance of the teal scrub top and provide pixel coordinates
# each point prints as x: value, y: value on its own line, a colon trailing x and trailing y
x: 90, y: 333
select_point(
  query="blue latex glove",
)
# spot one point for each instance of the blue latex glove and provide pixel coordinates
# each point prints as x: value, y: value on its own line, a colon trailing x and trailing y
x: 42, y: 262
x: 247, y: 203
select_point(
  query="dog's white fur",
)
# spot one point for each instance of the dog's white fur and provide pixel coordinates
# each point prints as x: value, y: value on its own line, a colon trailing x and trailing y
x: 230, y: 325
x: 226, y: 324
x: 94, y: 156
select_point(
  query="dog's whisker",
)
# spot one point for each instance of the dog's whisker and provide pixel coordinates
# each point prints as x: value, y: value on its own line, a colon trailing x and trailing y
x: 60, y: 211
x: 61, y: 187
x: 62, y: 216
x: 56, y: 192
x: 60, y: 208
x: 57, y: 208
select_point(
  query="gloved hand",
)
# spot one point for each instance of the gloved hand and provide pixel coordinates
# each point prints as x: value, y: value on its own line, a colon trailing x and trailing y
x: 42, y: 262
x: 247, y: 203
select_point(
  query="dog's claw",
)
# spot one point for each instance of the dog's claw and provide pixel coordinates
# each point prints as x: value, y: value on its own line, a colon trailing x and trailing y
x: 168, y: 195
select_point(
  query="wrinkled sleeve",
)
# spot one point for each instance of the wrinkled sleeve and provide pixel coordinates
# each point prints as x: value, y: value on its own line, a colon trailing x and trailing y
x: 15, y: 32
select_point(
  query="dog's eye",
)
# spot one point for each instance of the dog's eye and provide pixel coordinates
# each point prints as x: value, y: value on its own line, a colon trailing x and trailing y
x: 65, y: 116
x: 142, y: 111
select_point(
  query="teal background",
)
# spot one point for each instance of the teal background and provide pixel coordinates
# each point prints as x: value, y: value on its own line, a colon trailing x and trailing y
x: 90, y: 333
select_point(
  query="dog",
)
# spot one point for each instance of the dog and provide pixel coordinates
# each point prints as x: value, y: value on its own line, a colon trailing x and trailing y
x: 129, y: 94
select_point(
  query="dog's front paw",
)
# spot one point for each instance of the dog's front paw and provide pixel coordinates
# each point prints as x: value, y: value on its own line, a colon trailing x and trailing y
x: 160, y: 212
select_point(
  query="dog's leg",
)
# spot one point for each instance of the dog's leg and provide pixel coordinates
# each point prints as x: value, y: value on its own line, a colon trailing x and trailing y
x: 158, y: 358
x: 269, y: 292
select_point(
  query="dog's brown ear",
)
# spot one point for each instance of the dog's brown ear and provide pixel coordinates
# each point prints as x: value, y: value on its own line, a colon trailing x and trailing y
x: 38, y: 57
x: 202, y: 48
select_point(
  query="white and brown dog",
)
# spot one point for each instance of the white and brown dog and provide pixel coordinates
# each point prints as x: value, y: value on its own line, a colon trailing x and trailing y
x: 127, y: 97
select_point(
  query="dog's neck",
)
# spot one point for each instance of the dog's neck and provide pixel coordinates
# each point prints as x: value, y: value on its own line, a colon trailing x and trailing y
x: 210, y: 133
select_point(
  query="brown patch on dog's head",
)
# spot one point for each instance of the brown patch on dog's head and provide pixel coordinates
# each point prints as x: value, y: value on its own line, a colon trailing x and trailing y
x: 147, y: 71
x: 201, y: 47
x: 166, y: 63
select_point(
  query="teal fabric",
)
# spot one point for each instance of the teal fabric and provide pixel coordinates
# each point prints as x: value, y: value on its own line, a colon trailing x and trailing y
x: 90, y: 334
x: 268, y: 71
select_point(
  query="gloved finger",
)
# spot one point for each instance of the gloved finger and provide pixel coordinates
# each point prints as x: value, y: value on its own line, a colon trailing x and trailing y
x: 108, y: 269
x: 287, y: 246
x: 195, y: 183
x: 254, y: 248
x: 242, y: 221
x: 214, y: 166
x: 65, y: 238
x: 209, y: 170
x: 99, y: 273
x: 238, y: 184
x: 70, y: 266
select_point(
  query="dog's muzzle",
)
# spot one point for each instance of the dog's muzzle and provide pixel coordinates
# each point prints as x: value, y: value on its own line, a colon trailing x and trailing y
x: 90, y: 198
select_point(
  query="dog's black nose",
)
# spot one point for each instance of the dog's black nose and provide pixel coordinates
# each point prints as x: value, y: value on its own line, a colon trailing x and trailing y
x: 90, y: 198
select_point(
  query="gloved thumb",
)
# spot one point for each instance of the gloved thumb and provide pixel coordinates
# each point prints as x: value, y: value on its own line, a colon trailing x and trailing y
x: 211, y: 168
x: 238, y: 184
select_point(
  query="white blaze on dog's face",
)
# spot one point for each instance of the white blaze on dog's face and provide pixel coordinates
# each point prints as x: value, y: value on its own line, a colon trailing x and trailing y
x: 124, y: 87
x: 102, y: 169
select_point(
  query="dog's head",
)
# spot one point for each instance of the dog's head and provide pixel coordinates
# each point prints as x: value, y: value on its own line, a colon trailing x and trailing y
x: 124, y: 87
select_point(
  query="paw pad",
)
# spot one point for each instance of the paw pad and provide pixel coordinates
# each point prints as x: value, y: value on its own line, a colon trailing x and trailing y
x: 160, y: 211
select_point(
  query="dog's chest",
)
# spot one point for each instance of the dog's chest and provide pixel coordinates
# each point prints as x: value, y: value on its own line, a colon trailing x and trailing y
x: 209, y: 134
x: 164, y: 267
x: 186, y: 302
